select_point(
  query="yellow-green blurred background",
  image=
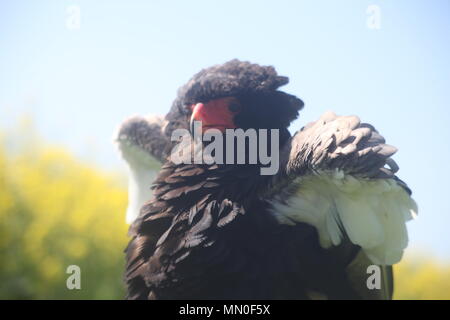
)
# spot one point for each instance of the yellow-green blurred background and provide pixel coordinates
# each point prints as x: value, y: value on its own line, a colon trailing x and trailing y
x: 56, y: 211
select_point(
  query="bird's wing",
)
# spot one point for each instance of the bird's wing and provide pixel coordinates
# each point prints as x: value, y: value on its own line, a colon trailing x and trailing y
x: 342, y: 181
x: 143, y: 145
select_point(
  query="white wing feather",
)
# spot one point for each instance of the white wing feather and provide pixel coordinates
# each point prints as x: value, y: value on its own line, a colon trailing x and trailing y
x: 141, y: 142
x: 343, y: 183
x: 372, y: 213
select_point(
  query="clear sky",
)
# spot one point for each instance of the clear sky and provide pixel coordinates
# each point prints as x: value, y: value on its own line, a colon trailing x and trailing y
x: 129, y: 57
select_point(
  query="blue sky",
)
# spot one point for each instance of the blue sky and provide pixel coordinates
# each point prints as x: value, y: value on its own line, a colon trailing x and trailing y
x: 129, y: 57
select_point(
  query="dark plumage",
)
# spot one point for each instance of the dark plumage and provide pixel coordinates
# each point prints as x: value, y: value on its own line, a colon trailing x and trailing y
x: 207, y: 235
x: 214, y: 232
x: 232, y: 78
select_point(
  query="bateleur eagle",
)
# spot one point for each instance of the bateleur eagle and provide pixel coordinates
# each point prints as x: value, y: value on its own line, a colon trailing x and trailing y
x: 224, y: 231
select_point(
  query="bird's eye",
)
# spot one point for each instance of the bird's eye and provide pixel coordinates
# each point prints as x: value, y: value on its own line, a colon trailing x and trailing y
x: 234, y: 107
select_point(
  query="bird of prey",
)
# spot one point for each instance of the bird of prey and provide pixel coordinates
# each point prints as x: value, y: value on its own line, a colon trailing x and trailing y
x: 333, y: 210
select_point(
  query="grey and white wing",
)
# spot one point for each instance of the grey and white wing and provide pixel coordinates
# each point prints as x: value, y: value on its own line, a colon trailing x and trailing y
x: 143, y: 145
x: 342, y: 181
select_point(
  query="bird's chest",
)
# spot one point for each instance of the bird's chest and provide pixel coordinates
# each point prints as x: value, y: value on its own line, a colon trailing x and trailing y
x: 265, y: 260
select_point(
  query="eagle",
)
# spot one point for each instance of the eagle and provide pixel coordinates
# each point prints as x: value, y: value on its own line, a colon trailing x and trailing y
x: 333, y: 211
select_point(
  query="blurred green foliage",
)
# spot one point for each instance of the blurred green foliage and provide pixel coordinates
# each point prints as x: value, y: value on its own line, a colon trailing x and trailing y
x: 421, y: 277
x: 57, y: 211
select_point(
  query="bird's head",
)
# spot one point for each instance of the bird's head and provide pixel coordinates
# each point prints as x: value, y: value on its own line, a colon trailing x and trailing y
x: 233, y: 95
